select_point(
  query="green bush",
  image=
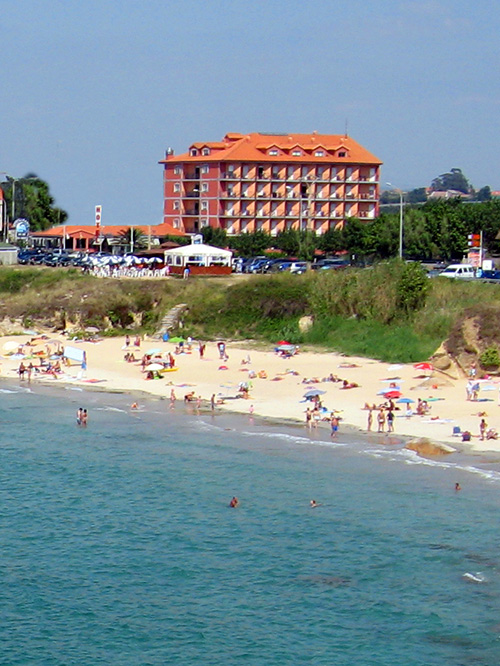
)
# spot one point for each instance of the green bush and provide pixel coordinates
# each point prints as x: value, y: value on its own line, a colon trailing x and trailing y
x: 490, y: 358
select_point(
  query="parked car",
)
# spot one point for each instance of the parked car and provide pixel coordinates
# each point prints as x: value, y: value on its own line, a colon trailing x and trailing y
x: 298, y: 267
x: 329, y: 264
x: 490, y: 275
x: 459, y: 272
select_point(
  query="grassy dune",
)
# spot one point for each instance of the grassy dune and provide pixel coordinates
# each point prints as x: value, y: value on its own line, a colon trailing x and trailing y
x: 391, y: 312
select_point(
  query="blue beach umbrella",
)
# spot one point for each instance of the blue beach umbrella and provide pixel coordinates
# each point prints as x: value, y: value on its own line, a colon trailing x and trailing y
x: 405, y: 401
x: 312, y: 393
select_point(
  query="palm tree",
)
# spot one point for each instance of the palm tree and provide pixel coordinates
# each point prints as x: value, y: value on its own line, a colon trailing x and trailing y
x: 132, y: 238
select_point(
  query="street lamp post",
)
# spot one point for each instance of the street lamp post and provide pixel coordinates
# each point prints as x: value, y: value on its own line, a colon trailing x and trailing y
x: 400, y: 192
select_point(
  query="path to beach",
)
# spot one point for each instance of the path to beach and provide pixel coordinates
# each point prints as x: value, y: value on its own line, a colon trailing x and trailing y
x: 279, y: 390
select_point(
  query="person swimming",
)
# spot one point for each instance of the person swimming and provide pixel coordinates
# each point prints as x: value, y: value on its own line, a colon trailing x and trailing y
x: 234, y: 503
x: 457, y: 487
x: 313, y: 504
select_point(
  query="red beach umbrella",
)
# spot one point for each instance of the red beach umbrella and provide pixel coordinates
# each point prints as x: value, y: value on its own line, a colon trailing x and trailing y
x: 393, y: 394
x: 423, y: 366
x: 282, y: 342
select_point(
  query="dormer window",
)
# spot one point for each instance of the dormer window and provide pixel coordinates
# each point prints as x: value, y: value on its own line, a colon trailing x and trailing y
x: 205, y: 151
x: 296, y: 153
x: 273, y: 151
x: 319, y: 153
x: 193, y: 152
x: 342, y: 153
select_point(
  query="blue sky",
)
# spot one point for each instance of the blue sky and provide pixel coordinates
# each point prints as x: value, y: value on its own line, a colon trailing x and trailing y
x: 95, y: 91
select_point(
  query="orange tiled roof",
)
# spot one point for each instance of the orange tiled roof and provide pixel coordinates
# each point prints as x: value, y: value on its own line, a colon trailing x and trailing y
x: 254, y: 148
x: 163, y: 229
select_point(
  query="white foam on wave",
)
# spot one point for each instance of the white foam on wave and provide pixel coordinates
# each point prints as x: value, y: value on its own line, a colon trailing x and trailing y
x: 108, y: 408
x: 477, y: 577
x: 412, y: 458
x: 21, y: 389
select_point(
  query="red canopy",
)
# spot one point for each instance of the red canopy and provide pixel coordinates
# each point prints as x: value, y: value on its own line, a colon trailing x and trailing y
x: 423, y: 366
x: 393, y: 394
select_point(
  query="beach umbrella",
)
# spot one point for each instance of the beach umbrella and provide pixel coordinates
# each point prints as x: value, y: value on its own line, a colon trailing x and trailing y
x: 11, y: 345
x: 405, y: 401
x: 177, y: 339
x: 91, y: 329
x: 282, y: 342
x: 155, y: 366
x: 150, y: 352
x: 423, y: 366
x: 392, y: 394
x: 312, y: 393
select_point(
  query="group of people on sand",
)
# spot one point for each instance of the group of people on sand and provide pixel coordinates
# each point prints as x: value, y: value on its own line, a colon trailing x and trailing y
x: 346, y: 384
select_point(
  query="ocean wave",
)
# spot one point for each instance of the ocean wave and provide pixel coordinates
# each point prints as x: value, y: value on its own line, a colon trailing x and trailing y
x: 412, y: 458
x: 477, y: 577
x: 108, y: 408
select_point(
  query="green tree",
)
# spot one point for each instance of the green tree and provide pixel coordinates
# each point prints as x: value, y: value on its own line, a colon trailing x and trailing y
x: 33, y: 201
x: 132, y: 239
x: 484, y: 194
x: 418, y: 195
x: 212, y: 236
x: 250, y: 244
x: 453, y: 180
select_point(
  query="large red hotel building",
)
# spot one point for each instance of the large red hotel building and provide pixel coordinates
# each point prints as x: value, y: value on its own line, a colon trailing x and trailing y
x: 270, y: 182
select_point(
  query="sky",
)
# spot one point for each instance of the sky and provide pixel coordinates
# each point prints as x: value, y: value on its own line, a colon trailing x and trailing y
x: 94, y: 92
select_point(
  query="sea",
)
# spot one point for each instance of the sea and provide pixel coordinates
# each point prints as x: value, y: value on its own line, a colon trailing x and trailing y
x: 118, y: 546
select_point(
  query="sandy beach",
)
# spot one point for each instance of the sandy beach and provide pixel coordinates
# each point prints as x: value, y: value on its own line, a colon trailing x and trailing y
x: 278, y: 388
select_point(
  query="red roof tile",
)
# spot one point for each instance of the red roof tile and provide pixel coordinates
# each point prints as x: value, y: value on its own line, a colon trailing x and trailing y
x: 254, y: 148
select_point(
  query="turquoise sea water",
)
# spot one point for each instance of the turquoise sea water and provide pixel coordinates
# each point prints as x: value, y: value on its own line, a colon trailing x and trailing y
x: 118, y: 546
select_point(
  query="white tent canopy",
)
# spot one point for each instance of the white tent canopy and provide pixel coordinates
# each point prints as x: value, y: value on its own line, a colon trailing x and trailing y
x: 198, y: 254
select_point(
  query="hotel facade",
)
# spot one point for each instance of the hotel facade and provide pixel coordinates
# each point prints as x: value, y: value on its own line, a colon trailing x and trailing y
x: 270, y: 183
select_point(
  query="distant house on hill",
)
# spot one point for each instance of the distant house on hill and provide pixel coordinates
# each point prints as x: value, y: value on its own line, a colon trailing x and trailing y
x: 88, y: 238
x: 445, y: 194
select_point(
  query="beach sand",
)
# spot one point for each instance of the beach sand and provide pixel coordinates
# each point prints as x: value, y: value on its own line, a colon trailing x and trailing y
x: 279, y: 393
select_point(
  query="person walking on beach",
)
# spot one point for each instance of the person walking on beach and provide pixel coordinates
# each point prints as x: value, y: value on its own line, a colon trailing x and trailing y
x: 482, y: 429
x: 127, y: 341
x: 334, y: 423
x: 390, y: 421
x: 79, y: 413
x: 172, y: 398
x: 201, y: 349
x: 370, y: 420
x: 308, y: 418
x: 381, y: 420
x: 212, y: 402
x: 30, y: 371
x: 85, y: 417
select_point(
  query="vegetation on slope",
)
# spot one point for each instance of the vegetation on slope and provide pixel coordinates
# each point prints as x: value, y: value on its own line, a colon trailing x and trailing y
x: 391, y: 311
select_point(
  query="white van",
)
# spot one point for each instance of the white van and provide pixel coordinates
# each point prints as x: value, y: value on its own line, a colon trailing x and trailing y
x: 459, y: 271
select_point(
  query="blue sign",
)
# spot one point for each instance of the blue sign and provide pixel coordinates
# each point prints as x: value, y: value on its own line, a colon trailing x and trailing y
x: 22, y: 227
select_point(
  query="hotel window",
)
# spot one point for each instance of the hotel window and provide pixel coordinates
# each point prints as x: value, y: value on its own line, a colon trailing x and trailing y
x: 273, y: 152
x: 177, y: 223
x: 319, y: 153
x: 290, y: 172
x: 193, y: 152
x: 204, y: 205
x: 342, y: 153
x: 296, y: 153
x: 176, y: 205
x: 177, y: 187
x: 177, y: 170
x: 204, y: 187
x: 205, y: 151
x: 204, y: 168
x: 204, y: 222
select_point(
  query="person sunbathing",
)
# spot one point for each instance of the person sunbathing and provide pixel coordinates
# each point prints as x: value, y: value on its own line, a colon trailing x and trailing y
x: 348, y: 385
x: 492, y: 434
